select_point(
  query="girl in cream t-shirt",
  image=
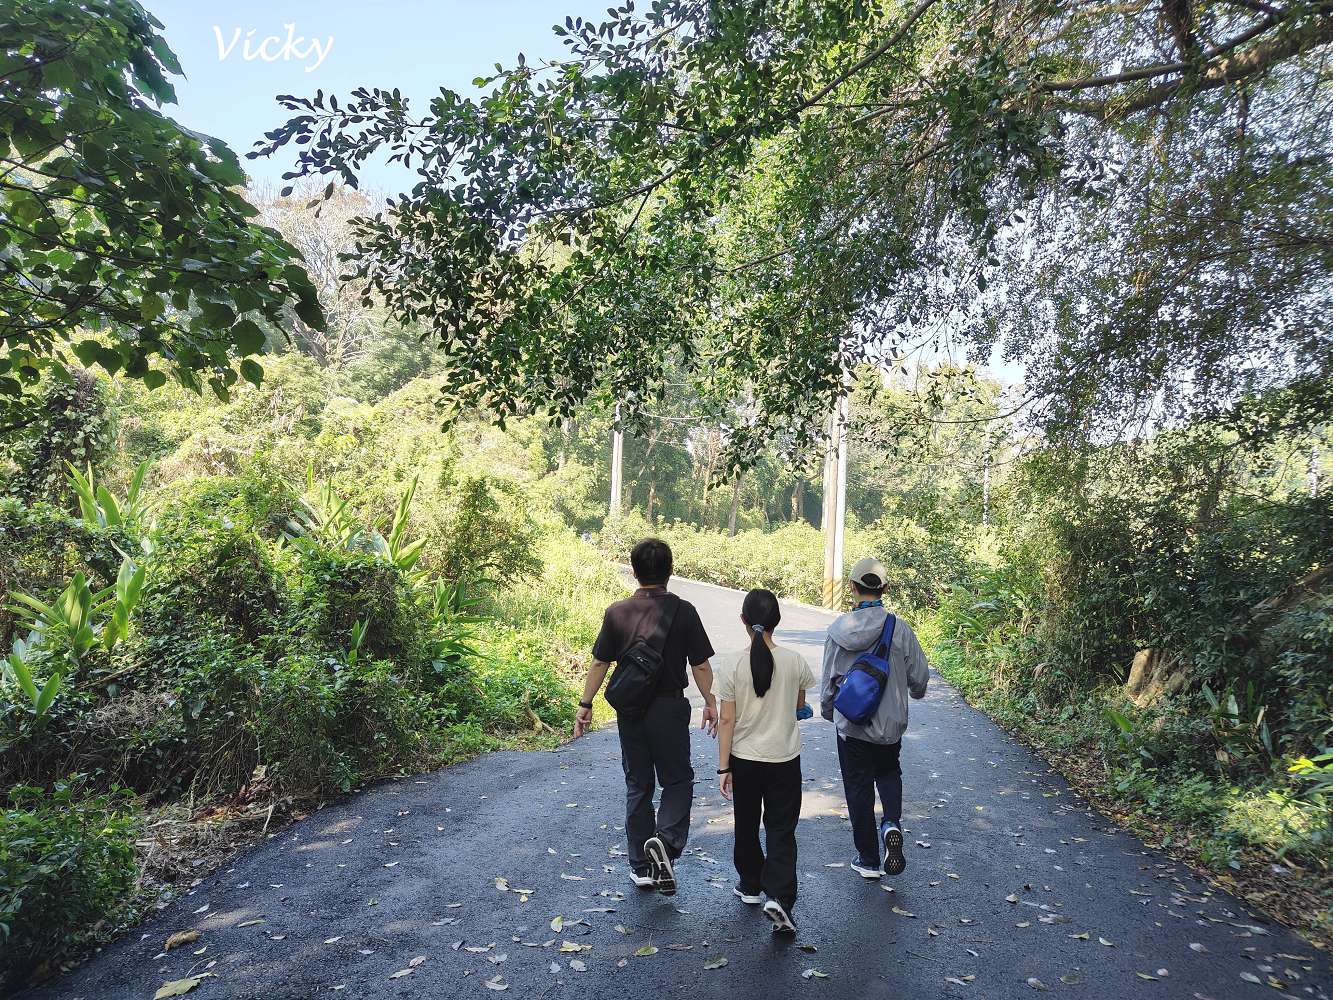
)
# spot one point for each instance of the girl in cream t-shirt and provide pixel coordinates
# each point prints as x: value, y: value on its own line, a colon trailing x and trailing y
x: 759, y: 690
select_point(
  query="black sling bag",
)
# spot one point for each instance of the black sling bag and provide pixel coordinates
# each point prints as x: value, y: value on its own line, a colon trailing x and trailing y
x: 633, y: 686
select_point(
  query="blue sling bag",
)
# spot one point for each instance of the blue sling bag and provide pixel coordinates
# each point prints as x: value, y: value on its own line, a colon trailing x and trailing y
x: 862, y: 687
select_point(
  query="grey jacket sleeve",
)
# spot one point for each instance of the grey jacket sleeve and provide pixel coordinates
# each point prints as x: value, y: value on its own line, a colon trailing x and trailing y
x: 918, y: 669
x: 826, y: 680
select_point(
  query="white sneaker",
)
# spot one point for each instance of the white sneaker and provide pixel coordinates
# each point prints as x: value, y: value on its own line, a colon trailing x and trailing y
x: 782, y: 921
x: 645, y: 881
x: 751, y: 899
x: 863, y: 871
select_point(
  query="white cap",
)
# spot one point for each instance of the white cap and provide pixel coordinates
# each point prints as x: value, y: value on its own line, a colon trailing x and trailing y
x: 869, y: 573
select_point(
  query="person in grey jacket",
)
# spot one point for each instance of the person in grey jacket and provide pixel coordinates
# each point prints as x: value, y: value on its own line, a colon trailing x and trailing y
x: 868, y: 753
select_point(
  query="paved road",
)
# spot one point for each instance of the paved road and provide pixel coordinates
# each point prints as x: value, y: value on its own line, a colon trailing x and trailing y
x: 408, y: 870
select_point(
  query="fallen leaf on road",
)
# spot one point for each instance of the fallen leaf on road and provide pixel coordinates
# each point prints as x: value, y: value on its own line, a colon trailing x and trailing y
x: 1144, y: 975
x: 497, y: 959
x: 557, y: 923
x: 333, y: 939
x: 571, y: 947
x: 1011, y: 898
x: 959, y: 980
x: 1080, y: 937
x: 716, y: 962
x: 814, y: 974
x: 250, y: 923
x: 202, y: 909
x: 416, y: 961
x: 572, y: 878
x: 496, y: 983
x: 554, y: 967
x: 622, y: 929
x: 646, y: 951
x: 1106, y: 943
x: 1195, y: 946
x: 401, y: 973
x: 177, y: 987
x: 1036, y: 983
x: 903, y: 913
x: 932, y: 932
x: 477, y: 949
x: 1250, y: 977
x: 577, y: 966
x: 180, y: 938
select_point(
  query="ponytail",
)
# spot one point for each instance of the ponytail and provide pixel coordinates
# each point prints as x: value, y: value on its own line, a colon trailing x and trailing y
x: 760, y: 612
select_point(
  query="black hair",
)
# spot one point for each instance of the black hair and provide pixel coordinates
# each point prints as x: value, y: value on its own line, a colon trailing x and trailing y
x: 865, y: 588
x: 651, y: 561
x: 761, y: 613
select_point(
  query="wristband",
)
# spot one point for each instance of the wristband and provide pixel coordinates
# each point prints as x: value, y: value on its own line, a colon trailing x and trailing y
x: 724, y: 770
x: 586, y: 704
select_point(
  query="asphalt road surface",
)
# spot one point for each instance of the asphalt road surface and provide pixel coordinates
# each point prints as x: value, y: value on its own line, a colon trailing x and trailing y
x: 1013, y: 886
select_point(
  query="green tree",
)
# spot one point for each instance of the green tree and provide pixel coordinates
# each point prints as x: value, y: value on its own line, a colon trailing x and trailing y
x: 123, y: 235
x: 1132, y: 197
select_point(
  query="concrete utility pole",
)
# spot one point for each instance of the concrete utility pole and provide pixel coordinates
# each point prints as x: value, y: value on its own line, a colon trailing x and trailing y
x: 617, y: 465
x: 835, y: 504
x: 985, y: 483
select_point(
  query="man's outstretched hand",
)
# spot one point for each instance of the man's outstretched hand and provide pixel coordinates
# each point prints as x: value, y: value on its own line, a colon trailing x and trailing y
x: 709, y: 724
x: 582, y: 722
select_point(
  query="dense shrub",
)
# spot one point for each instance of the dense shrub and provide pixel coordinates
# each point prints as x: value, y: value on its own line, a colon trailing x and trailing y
x: 66, y: 866
x: 42, y: 547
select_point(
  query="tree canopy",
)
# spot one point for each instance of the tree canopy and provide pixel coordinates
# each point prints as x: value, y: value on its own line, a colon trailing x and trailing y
x: 1131, y: 198
x: 122, y: 233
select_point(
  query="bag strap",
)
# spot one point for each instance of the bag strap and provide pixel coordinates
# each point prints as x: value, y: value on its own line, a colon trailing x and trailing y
x: 664, y: 621
x: 886, y: 637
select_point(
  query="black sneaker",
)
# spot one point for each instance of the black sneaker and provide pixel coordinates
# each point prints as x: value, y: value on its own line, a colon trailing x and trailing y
x: 892, y: 835
x: 749, y: 898
x: 664, y: 876
x: 782, y: 921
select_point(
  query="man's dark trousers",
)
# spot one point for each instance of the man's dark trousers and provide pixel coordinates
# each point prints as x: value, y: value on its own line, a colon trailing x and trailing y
x: 773, y: 792
x: 657, y: 747
x: 865, y: 767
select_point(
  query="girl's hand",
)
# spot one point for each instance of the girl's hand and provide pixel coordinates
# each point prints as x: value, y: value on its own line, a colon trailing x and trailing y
x: 725, y: 786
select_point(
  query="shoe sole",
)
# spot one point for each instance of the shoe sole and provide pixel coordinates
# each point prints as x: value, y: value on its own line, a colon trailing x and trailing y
x: 779, y: 918
x: 867, y: 873
x: 894, y: 862
x: 663, y: 874
x: 746, y: 899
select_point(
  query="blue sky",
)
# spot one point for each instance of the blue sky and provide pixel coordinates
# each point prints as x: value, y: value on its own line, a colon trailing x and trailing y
x: 415, y: 45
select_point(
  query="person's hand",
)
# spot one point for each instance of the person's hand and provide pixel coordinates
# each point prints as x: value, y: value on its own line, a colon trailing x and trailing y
x: 582, y: 722
x: 709, y: 724
x: 724, y: 786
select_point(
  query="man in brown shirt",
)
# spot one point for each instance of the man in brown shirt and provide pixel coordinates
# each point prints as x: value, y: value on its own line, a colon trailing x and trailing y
x: 655, y: 749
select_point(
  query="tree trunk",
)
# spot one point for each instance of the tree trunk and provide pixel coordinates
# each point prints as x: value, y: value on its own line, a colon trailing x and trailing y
x: 735, y: 506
